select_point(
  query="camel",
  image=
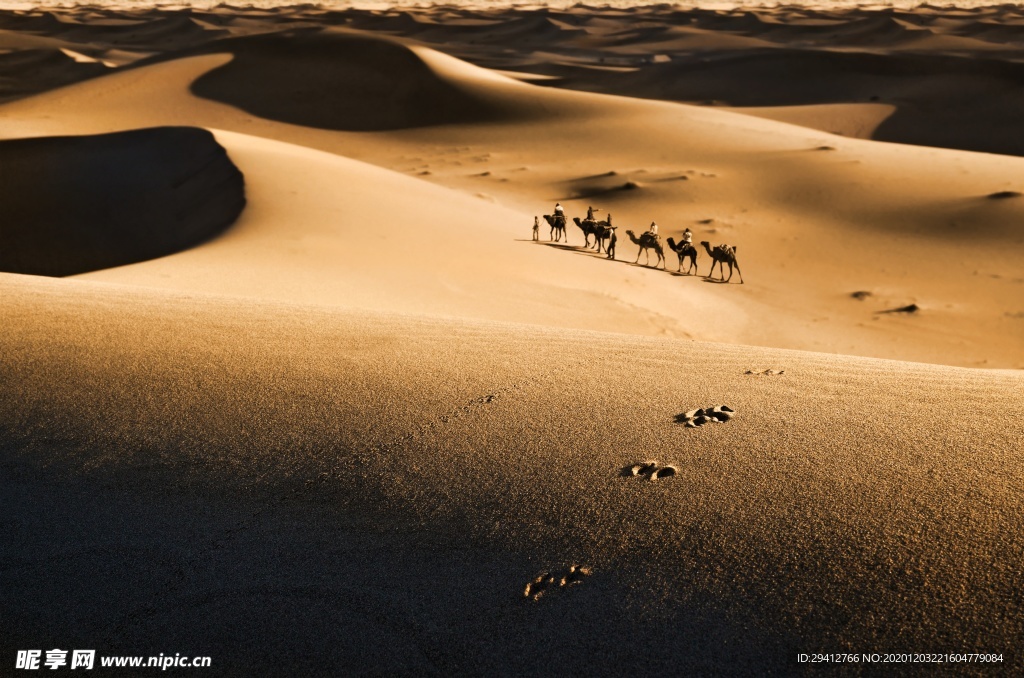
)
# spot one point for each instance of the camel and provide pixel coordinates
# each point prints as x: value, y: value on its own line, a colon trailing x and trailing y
x: 601, y: 230
x: 648, y: 241
x: 558, y: 229
x: 683, y: 250
x: 721, y: 255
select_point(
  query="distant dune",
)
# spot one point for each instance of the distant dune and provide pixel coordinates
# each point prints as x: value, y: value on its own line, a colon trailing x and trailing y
x: 375, y: 423
x: 335, y: 80
x: 76, y: 204
x: 936, y: 100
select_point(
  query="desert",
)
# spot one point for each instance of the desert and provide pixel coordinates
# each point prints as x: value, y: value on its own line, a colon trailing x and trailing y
x: 288, y: 380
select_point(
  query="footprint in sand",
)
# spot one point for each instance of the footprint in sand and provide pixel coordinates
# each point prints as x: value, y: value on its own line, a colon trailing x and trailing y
x: 718, y: 414
x: 767, y: 373
x: 650, y: 470
x: 546, y: 582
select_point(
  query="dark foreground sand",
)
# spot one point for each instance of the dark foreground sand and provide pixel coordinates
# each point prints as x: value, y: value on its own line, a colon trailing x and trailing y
x: 381, y: 501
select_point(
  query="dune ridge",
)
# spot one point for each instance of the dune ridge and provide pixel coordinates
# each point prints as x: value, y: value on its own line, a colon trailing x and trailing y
x: 575, y: 47
x: 330, y: 76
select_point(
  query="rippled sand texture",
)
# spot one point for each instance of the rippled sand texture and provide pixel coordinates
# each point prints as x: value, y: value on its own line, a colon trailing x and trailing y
x: 306, y: 397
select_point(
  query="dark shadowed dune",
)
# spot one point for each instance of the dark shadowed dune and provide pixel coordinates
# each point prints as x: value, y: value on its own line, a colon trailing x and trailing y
x: 50, y: 68
x: 874, y: 30
x: 336, y: 80
x: 946, y: 101
x: 77, y: 204
x: 167, y: 32
x: 44, y: 22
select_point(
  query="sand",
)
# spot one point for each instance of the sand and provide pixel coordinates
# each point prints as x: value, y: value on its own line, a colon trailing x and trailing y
x: 123, y: 197
x: 344, y: 432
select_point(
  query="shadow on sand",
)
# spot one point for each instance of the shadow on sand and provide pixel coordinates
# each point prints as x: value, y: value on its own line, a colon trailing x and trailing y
x: 582, y: 249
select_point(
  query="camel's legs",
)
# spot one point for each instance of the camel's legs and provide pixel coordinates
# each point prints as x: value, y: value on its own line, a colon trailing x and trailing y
x: 738, y: 271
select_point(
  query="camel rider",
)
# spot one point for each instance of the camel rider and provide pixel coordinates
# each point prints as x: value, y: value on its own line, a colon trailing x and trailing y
x: 590, y: 214
x: 688, y: 237
x: 653, y: 230
x: 609, y: 220
x: 559, y: 212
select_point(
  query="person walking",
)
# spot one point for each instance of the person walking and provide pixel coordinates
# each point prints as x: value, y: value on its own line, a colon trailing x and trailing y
x: 612, y: 239
x: 536, y: 228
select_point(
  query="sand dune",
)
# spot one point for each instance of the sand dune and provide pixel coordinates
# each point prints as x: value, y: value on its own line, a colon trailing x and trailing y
x: 825, y: 515
x: 568, y: 43
x: 754, y: 183
x: 52, y: 66
x: 342, y: 434
x: 927, y: 93
x: 78, y: 204
x: 339, y: 81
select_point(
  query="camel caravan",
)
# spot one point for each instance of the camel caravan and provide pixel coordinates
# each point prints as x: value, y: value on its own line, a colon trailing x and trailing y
x: 603, y: 233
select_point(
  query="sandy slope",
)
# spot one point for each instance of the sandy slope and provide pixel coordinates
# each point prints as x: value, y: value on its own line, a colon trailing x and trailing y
x: 908, y: 225
x: 346, y: 433
x: 402, y: 478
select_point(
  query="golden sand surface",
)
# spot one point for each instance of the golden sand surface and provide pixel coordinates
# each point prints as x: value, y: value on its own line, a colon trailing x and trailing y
x: 360, y: 429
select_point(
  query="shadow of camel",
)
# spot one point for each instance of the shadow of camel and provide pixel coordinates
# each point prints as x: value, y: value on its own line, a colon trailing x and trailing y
x: 562, y: 246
